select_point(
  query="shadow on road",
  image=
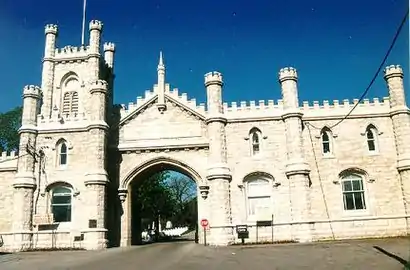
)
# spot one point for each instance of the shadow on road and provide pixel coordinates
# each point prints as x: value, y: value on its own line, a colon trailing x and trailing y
x: 391, y: 255
x: 4, y: 253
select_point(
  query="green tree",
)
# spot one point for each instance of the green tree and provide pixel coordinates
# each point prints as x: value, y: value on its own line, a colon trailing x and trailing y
x: 184, y: 192
x: 153, y: 198
x: 10, y: 122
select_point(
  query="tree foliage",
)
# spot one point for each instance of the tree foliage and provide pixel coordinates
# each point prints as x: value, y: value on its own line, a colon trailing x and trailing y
x: 152, y: 197
x: 10, y: 122
x: 167, y: 195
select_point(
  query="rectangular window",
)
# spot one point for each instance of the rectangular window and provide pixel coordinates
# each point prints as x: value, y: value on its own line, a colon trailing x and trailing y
x: 353, y: 194
x: 259, y: 206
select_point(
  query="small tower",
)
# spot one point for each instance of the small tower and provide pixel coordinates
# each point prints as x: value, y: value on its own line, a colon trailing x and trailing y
x: 25, y: 180
x: 219, y: 173
x: 297, y: 169
x: 97, y: 178
x: 47, y: 79
x: 94, y: 49
x: 161, y: 84
x: 399, y: 113
x: 109, y: 50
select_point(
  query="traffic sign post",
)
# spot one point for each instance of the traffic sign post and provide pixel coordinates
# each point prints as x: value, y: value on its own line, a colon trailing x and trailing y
x: 204, y: 224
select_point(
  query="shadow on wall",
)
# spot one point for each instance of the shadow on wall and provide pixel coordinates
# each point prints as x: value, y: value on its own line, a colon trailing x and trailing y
x: 391, y: 255
x: 114, y: 206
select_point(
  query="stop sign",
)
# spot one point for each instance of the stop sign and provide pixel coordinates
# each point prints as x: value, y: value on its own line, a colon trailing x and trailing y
x: 204, y: 223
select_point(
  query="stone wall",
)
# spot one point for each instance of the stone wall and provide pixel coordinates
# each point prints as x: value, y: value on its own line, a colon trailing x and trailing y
x: 6, y: 199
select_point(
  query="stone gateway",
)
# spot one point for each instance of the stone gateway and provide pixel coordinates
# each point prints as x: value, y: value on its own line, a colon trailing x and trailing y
x: 284, y: 169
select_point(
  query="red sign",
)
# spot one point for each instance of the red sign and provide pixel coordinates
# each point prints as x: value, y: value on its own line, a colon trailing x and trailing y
x: 204, y: 223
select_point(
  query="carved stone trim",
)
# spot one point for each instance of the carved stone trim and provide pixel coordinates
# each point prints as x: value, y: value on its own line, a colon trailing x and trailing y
x: 204, y: 191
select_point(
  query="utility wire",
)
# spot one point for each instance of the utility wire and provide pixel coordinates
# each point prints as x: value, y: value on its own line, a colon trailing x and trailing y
x: 396, y: 36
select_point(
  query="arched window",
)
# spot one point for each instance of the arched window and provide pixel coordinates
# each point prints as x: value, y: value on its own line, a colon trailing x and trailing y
x: 371, y: 138
x: 61, y: 197
x: 326, y: 139
x: 70, y: 86
x: 255, y: 141
x: 258, y: 197
x: 62, y: 153
x: 353, y: 192
x: 70, y: 102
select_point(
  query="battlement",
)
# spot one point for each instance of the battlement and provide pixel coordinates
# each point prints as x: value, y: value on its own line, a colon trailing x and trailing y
x: 31, y: 91
x: 287, y: 73
x: 213, y: 77
x: 263, y: 108
x: 71, y: 52
x: 252, y: 105
x: 393, y: 71
x: 51, y: 29
x: 8, y: 155
x: 96, y: 25
x: 109, y: 46
x: 99, y: 85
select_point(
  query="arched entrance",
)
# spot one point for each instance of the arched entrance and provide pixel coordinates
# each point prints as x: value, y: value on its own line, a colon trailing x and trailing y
x: 130, y: 220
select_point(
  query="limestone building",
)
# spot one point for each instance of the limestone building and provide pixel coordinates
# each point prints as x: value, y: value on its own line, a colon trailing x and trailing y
x: 283, y: 161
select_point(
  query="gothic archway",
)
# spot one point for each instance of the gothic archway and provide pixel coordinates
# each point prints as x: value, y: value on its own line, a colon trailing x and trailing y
x: 131, y: 222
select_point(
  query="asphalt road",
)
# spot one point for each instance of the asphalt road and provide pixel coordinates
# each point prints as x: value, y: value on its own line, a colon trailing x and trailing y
x: 360, y: 254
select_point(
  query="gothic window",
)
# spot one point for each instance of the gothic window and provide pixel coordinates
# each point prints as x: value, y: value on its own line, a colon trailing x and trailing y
x: 326, y: 140
x: 70, y: 102
x: 371, y: 133
x: 61, y: 197
x: 70, y: 86
x: 62, y: 153
x: 258, y: 197
x: 353, y: 192
x: 255, y: 141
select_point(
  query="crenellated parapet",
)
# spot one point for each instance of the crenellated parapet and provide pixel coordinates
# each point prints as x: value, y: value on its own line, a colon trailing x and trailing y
x: 95, y: 25
x: 69, y: 51
x: 32, y: 91
x: 274, y: 108
x: 8, y: 161
x: 72, y: 53
x: 213, y: 77
x: 98, y: 86
x: 393, y: 71
x: 5, y: 155
x: 288, y: 73
x: 109, y: 46
x: 51, y: 29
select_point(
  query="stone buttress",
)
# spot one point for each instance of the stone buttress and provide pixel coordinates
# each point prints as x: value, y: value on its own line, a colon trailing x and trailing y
x: 218, y: 174
x: 297, y: 169
x: 25, y: 180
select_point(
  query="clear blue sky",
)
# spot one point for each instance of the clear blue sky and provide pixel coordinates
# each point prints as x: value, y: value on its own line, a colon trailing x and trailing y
x: 335, y: 45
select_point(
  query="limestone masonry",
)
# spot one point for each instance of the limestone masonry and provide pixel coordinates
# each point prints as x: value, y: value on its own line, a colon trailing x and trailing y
x: 280, y: 162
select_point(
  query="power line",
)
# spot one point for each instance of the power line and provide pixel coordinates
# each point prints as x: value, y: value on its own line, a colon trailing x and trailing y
x: 396, y: 36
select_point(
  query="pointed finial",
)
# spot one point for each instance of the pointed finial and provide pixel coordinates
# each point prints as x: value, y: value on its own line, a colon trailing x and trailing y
x: 161, y: 61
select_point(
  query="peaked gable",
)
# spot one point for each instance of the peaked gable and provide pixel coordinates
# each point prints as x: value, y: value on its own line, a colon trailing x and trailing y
x: 150, y: 126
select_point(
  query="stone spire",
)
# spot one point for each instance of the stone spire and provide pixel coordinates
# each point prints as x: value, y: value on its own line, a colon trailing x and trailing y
x: 161, y: 84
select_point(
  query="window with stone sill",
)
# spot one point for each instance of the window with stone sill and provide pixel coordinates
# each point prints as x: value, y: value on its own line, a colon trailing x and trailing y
x: 255, y: 138
x: 61, y: 203
x: 371, y: 139
x: 258, y: 197
x: 326, y: 141
x: 353, y: 192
